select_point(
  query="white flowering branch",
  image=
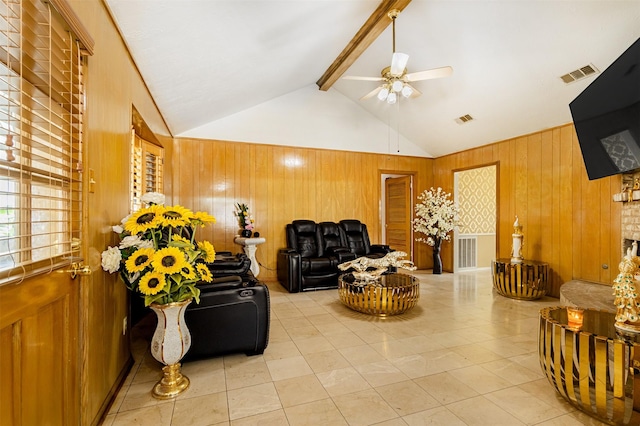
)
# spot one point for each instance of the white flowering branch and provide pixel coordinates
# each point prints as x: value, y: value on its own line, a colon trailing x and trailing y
x: 436, y: 216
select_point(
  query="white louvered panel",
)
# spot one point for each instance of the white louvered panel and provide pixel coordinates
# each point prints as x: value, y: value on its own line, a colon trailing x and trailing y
x: 467, y: 252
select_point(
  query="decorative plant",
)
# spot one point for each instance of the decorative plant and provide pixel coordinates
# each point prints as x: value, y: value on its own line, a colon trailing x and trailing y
x: 436, y: 216
x: 158, y: 256
x: 245, y: 220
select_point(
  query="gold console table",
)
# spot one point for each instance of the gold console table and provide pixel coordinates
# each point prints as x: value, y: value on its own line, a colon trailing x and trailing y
x: 391, y: 294
x: 593, y: 367
x: 527, y: 280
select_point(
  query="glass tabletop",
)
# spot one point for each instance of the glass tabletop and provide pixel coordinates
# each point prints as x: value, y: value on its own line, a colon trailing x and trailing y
x: 596, y: 322
x: 388, y: 280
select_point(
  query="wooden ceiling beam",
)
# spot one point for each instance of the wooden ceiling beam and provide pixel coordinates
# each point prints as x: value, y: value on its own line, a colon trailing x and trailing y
x: 375, y: 25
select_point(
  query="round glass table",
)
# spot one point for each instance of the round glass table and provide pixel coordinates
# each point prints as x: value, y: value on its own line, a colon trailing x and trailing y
x: 591, y: 364
x: 390, y: 294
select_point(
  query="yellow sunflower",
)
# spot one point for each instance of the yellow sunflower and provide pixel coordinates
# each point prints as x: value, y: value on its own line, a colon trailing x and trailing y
x: 139, y: 260
x: 169, y: 260
x: 205, y: 273
x: 184, y: 241
x: 143, y: 220
x: 188, y: 272
x: 209, y: 251
x: 202, y: 218
x: 176, y: 216
x: 152, y: 283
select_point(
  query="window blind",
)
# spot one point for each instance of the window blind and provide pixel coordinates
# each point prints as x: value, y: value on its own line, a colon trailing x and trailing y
x: 147, y: 161
x: 41, y: 108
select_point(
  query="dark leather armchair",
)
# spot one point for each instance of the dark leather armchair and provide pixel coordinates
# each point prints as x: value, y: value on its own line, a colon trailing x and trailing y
x: 357, y: 240
x: 308, y: 263
x: 233, y: 316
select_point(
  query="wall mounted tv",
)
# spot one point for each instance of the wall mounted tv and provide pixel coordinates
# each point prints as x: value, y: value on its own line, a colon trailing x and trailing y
x: 606, y: 116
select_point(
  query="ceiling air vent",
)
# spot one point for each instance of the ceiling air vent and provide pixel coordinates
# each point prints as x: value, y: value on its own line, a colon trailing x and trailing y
x: 464, y: 119
x: 580, y: 73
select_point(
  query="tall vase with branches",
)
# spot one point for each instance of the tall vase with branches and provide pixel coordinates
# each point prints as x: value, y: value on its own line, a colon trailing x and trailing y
x: 436, y: 217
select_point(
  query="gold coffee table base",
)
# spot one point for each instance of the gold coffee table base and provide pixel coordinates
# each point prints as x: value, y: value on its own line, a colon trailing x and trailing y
x: 592, y: 366
x: 392, y: 294
x: 526, y: 281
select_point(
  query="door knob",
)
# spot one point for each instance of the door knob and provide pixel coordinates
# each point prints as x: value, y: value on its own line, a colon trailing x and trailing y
x: 77, y: 268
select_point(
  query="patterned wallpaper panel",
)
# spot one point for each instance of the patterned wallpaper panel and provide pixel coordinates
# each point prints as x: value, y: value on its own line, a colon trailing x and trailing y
x: 477, y: 200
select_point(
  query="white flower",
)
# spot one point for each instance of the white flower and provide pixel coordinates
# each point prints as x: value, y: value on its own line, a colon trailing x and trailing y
x: 153, y: 198
x: 117, y: 229
x: 131, y: 241
x: 436, y: 216
x: 111, y: 259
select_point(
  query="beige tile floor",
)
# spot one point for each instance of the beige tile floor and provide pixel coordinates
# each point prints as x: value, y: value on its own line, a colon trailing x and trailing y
x: 463, y: 356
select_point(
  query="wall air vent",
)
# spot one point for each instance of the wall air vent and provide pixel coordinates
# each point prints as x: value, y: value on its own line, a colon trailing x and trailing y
x: 464, y: 119
x: 580, y: 73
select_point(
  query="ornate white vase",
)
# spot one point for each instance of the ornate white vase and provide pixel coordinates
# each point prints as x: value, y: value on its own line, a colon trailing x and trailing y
x: 169, y: 344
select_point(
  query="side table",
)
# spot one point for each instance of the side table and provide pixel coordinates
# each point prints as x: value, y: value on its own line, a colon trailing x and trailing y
x: 527, y: 280
x: 249, y: 245
x: 592, y: 365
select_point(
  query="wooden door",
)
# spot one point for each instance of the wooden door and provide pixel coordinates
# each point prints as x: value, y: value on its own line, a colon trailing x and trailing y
x: 398, y: 214
x: 39, y: 366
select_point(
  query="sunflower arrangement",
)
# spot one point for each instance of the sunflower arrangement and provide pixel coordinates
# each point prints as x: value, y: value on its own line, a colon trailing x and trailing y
x: 158, y: 256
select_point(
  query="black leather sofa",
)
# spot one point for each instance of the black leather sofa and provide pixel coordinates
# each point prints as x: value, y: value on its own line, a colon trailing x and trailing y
x: 314, y: 251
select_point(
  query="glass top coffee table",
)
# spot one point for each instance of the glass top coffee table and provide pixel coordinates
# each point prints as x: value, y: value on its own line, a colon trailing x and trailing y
x: 391, y: 294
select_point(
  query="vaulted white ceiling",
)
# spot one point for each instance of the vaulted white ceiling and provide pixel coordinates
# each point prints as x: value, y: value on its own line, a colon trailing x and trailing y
x: 208, y: 61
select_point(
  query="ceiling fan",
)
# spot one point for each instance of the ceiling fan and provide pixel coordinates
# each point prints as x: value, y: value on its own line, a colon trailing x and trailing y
x: 395, y: 78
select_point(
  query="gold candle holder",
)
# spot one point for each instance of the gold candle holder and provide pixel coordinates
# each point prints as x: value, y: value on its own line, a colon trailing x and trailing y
x: 575, y: 316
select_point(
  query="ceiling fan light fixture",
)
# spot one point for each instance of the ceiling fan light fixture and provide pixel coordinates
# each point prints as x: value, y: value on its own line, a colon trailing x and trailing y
x: 392, y: 98
x: 407, y: 91
x: 397, y: 86
x: 382, y: 94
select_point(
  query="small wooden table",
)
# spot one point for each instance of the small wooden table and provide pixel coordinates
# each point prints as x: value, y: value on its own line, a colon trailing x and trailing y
x: 527, y: 280
x: 392, y: 294
x: 592, y: 365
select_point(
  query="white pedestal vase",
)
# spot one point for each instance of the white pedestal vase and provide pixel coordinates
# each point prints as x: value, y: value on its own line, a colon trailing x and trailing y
x: 170, y: 343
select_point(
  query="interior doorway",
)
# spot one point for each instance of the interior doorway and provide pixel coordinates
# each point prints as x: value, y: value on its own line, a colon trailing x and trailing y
x: 475, y: 237
x: 397, y: 212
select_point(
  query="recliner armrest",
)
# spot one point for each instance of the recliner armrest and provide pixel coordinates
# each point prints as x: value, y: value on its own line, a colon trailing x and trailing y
x: 221, y: 283
x: 290, y: 270
x: 380, y: 248
x: 343, y: 254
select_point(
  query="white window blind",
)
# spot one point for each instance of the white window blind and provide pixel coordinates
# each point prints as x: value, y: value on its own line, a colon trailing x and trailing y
x: 41, y: 107
x: 146, y: 169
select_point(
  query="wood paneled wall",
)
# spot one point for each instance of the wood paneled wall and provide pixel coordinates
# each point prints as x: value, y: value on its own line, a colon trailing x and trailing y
x: 113, y: 86
x: 569, y: 222
x: 281, y: 184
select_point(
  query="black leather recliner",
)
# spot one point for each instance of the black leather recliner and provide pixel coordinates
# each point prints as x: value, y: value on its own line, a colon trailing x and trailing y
x: 310, y: 262
x: 357, y: 240
x: 232, y: 316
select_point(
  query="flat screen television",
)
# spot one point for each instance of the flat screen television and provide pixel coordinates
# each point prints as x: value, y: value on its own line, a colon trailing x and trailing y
x: 606, y: 116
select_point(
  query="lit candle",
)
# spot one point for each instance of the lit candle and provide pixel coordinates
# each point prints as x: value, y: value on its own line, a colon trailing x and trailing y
x: 575, y: 317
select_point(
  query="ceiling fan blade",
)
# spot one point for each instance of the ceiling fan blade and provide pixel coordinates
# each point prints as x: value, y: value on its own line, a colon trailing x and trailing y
x: 372, y: 93
x: 355, y: 77
x: 429, y: 74
x: 398, y: 63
